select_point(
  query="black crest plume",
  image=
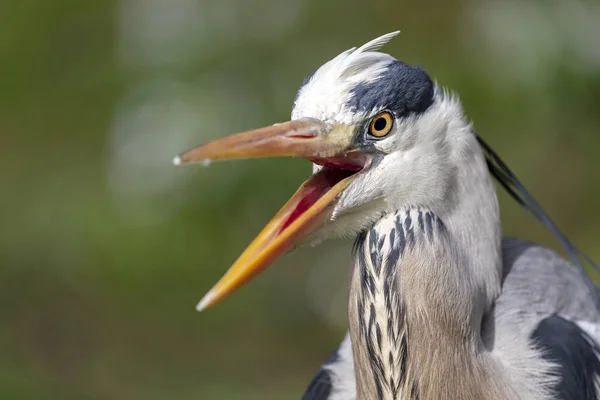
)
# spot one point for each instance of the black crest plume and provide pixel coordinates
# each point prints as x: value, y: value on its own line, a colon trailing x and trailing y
x: 516, y: 189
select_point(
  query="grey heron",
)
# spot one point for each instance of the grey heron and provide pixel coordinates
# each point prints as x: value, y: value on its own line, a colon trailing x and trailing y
x: 440, y: 305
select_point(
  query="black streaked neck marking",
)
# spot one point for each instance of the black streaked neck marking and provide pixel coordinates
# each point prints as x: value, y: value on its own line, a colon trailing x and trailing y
x: 381, y: 311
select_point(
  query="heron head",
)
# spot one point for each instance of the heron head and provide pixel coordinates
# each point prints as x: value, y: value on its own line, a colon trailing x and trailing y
x: 373, y: 128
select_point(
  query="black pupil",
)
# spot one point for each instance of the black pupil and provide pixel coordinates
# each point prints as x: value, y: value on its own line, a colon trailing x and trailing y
x: 380, y: 124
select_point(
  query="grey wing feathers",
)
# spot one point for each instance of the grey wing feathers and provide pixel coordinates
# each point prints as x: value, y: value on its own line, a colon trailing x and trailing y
x: 547, y: 299
x: 538, y: 281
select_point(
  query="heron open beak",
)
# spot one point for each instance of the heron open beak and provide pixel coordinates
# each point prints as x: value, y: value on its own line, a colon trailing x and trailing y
x: 324, y: 144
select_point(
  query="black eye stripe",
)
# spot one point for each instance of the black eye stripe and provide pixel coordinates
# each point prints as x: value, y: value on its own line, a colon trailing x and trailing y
x: 401, y: 88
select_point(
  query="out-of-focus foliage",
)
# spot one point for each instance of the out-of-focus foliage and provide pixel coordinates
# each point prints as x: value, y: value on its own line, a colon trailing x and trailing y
x: 105, y: 247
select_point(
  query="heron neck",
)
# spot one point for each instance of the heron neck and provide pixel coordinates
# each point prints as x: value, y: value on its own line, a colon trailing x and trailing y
x: 421, y: 282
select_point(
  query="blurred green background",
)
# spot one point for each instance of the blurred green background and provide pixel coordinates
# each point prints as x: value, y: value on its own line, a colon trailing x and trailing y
x: 105, y: 247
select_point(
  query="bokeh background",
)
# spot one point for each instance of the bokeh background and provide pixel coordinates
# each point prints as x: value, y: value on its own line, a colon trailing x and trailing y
x: 105, y: 247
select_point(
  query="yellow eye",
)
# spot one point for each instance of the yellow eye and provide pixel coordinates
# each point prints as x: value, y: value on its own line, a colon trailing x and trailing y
x: 381, y: 124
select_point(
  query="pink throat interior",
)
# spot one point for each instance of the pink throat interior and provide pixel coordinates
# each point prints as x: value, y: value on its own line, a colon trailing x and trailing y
x: 334, y: 170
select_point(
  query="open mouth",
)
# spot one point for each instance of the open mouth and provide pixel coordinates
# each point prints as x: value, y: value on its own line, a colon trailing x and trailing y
x: 327, y: 145
x: 310, y: 207
x: 334, y: 171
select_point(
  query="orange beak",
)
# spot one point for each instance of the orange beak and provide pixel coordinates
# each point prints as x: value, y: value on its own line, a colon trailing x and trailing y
x: 309, y: 207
